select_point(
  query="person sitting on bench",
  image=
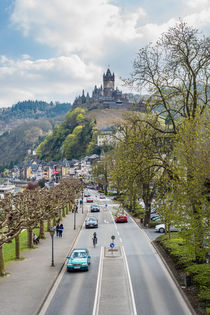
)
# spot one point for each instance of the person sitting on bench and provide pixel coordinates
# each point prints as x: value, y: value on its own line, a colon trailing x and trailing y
x: 35, y: 239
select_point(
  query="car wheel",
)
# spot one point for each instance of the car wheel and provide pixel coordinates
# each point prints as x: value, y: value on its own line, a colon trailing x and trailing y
x: 161, y: 230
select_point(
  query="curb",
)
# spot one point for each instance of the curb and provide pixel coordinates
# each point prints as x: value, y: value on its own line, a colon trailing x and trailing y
x: 59, y: 272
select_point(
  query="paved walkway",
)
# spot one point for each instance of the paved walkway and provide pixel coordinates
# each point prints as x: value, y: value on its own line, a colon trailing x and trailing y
x: 23, y: 290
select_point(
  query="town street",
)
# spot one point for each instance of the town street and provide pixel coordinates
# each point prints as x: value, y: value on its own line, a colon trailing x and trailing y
x: 154, y: 292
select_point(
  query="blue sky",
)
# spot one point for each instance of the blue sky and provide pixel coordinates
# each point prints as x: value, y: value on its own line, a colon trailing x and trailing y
x: 52, y: 49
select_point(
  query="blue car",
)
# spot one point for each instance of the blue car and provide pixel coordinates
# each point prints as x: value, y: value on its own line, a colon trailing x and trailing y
x: 78, y: 260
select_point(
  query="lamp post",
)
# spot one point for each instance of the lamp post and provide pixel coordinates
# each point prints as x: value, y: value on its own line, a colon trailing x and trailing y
x: 82, y: 199
x: 52, y: 232
x: 75, y: 211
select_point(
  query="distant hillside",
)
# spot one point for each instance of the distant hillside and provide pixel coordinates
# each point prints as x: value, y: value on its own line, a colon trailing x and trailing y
x: 71, y: 139
x: 15, y: 143
x: 11, y: 117
x: 106, y: 117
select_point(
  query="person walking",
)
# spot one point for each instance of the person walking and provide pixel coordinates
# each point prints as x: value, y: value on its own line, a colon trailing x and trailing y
x: 57, y: 229
x: 60, y: 230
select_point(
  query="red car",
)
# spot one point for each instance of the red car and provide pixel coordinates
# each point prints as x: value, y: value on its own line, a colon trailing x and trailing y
x: 89, y: 200
x: 121, y: 219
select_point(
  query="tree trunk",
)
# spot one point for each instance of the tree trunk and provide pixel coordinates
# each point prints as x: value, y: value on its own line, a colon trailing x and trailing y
x: 41, y: 229
x: 64, y: 212
x: 48, y: 225
x: 2, y: 268
x: 67, y: 208
x: 30, y: 238
x: 17, y: 246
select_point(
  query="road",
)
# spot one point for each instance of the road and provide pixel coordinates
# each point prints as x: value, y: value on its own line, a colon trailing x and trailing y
x: 154, y: 290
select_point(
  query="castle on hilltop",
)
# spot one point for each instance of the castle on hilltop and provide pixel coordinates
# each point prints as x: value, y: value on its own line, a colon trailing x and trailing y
x: 107, y: 96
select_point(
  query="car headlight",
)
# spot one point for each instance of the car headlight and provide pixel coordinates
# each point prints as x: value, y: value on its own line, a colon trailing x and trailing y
x: 70, y: 264
x: 84, y: 264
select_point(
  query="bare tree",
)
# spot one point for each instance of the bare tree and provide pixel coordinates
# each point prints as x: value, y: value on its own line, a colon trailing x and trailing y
x: 175, y: 71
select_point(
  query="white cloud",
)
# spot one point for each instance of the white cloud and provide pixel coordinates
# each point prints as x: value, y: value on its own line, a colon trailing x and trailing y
x: 55, y: 79
x: 88, y: 34
x: 197, y: 4
x: 76, y: 26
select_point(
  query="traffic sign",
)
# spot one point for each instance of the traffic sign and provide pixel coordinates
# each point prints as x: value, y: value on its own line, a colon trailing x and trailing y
x: 113, y: 237
x: 112, y: 245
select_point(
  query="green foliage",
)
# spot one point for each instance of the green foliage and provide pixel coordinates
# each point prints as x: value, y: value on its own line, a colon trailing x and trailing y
x: 34, y: 109
x: 68, y: 140
x: 201, y: 277
x: 15, y: 144
x: 176, y: 247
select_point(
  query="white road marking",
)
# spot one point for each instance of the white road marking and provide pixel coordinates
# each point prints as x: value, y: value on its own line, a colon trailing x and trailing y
x: 130, y: 283
x: 57, y: 282
x: 98, y: 285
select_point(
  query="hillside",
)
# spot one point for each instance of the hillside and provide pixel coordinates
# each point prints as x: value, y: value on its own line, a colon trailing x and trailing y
x: 16, y: 115
x: 106, y: 117
x: 14, y: 144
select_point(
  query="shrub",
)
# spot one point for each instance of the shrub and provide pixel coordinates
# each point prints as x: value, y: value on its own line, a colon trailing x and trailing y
x: 201, y: 277
x: 176, y: 248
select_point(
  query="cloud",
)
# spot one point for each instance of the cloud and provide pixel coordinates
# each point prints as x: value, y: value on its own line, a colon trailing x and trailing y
x: 80, y: 26
x: 55, y: 79
x: 86, y: 35
x: 196, y: 4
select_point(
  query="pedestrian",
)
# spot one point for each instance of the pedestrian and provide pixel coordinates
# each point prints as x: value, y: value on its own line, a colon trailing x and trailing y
x: 60, y: 230
x: 57, y: 229
x: 35, y: 239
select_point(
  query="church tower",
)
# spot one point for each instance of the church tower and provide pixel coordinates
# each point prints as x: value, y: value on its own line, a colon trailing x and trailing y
x: 108, y: 82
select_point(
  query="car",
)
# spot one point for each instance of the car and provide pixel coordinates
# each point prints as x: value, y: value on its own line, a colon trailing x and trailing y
x: 102, y: 197
x: 161, y: 228
x: 89, y: 199
x: 91, y: 222
x: 79, y: 259
x: 121, y: 218
x: 94, y: 208
x: 86, y: 195
x: 156, y: 218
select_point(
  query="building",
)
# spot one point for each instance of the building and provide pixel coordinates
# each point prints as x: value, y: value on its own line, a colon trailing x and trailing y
x: 107, y: 96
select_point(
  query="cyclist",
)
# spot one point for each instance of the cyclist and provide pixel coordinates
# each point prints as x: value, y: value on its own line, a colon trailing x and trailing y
x: 94, y: 239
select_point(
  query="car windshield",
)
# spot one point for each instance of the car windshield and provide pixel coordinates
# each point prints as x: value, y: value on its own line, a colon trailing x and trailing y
x: 79, y: 255
x: 92, y: 220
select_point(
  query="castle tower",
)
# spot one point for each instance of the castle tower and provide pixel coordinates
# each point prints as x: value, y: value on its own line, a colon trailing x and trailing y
x: 108, y: 82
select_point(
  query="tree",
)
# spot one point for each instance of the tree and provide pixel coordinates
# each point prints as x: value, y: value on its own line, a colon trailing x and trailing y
x: 139, y: 161
x: 192, y: 167
x: 175, y: 71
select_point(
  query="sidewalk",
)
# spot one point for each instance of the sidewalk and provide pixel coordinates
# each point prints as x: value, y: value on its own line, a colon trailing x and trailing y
x: 24, y: 289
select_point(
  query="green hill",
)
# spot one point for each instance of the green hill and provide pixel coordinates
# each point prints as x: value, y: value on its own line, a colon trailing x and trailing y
x: 14, y: 116
x: 15, y: 144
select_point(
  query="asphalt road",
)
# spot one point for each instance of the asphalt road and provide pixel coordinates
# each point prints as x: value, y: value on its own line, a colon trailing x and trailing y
x: 154, y: 290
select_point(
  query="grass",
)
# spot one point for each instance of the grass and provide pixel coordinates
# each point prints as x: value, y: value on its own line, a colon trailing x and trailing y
x: 9, y: 248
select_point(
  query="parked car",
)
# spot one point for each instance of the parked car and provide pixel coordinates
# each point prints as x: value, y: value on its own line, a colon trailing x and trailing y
x: 94, y: 208
x: 89, y: 199
x: 156, y: 218
x: 78, y: 260
x: 121, y: 218
x: 102, y: 197
x: 86, y: 195
x: 91, y: 222
x: 161, y: 228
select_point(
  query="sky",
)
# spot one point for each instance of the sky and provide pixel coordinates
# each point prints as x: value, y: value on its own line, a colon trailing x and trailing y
x: 51, y: 50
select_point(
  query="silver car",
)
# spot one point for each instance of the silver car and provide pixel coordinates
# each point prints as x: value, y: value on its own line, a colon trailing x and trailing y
x: 91, y: 222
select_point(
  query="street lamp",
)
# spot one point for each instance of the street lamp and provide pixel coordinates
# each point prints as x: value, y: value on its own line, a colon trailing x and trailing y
x: 75, y: 211
x: 82, y: 199
x: 52, y: 232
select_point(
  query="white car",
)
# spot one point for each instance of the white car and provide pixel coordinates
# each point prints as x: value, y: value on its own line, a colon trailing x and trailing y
x: 161, y: 228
